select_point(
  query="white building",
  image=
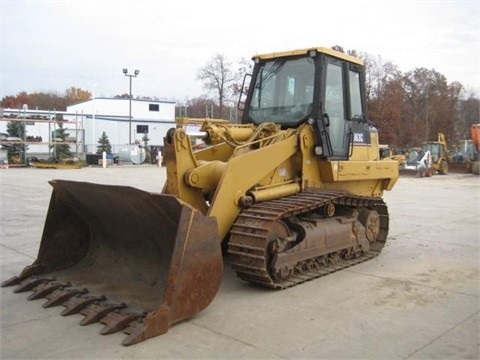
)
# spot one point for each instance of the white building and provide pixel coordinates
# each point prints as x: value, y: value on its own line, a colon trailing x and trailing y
x: 85, y: 122
x: 149, y: 117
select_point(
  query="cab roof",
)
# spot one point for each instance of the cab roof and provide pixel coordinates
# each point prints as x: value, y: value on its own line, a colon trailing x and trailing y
x: 323, y: 50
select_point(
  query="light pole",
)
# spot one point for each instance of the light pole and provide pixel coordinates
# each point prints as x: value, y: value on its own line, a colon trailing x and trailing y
x: 94, y: 150
x: 135, y: 73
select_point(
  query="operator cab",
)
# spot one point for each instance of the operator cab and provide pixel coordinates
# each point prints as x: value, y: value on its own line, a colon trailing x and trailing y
x: 320, y: 86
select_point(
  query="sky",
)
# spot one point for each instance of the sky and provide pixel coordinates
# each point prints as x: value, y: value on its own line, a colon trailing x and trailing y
x: 50, y: 46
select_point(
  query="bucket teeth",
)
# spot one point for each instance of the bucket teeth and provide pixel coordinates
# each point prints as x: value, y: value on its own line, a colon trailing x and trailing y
x: 95, y: 312
x: 14, y: 280
x: 77, y: 303
x: 59, y: 296
x: 31, y: 283
x: 46, y: 288
x: 27, y: 271
x: 135, y: 332
x: 117, y: 321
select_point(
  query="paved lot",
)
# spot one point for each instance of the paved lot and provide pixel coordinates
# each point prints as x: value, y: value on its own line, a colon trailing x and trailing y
x: 419, y: 299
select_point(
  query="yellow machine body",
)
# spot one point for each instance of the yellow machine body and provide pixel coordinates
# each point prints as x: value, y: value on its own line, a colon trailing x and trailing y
x: 292, y: 193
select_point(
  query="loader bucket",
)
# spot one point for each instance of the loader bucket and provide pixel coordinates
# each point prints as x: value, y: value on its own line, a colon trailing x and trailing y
x: 135, y: 261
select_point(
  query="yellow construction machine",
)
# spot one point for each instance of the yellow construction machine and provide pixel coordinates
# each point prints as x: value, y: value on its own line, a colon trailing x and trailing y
x: 292, y: 193
x: 439, y: 153
x: 431, y: 158
x: 462, y: 159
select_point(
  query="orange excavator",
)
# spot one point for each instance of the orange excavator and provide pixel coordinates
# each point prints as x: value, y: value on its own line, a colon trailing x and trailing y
x: 475, y: 136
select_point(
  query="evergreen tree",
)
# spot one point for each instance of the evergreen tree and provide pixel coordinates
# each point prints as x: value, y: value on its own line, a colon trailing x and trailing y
x: 104, y: 144
x: 16, y: 129
x: 145, y: 140
x: 61, y: 150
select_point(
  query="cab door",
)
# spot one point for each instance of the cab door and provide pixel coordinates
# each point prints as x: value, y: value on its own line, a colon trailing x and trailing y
x: 334, y: 101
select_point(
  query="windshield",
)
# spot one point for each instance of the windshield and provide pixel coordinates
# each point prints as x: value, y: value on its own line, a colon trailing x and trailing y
x: 436, y: 150
x: 465, y: 147
x: 414, y: 156
x: 283, y: 91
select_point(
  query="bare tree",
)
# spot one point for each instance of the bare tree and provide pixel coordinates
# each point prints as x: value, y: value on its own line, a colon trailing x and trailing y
x: 198, y: 107
x: 217, y: 75
x: 244, y: 66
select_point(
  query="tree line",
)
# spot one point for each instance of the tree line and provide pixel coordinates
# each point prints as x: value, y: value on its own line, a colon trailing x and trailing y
x: 46, y: 100
x: 411, y: 107
x: 406, y: 107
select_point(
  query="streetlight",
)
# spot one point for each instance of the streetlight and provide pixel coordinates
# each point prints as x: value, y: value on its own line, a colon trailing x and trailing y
x: 135, y: 73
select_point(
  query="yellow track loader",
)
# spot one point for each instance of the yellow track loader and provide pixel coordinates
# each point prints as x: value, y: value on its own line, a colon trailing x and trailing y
x: 292, y: 193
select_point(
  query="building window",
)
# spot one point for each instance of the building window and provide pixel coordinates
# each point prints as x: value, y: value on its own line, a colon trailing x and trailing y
x: 142, y: 129
x: 153, y: 107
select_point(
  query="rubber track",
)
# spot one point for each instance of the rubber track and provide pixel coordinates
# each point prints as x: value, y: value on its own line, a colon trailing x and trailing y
x: 248, y: 244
